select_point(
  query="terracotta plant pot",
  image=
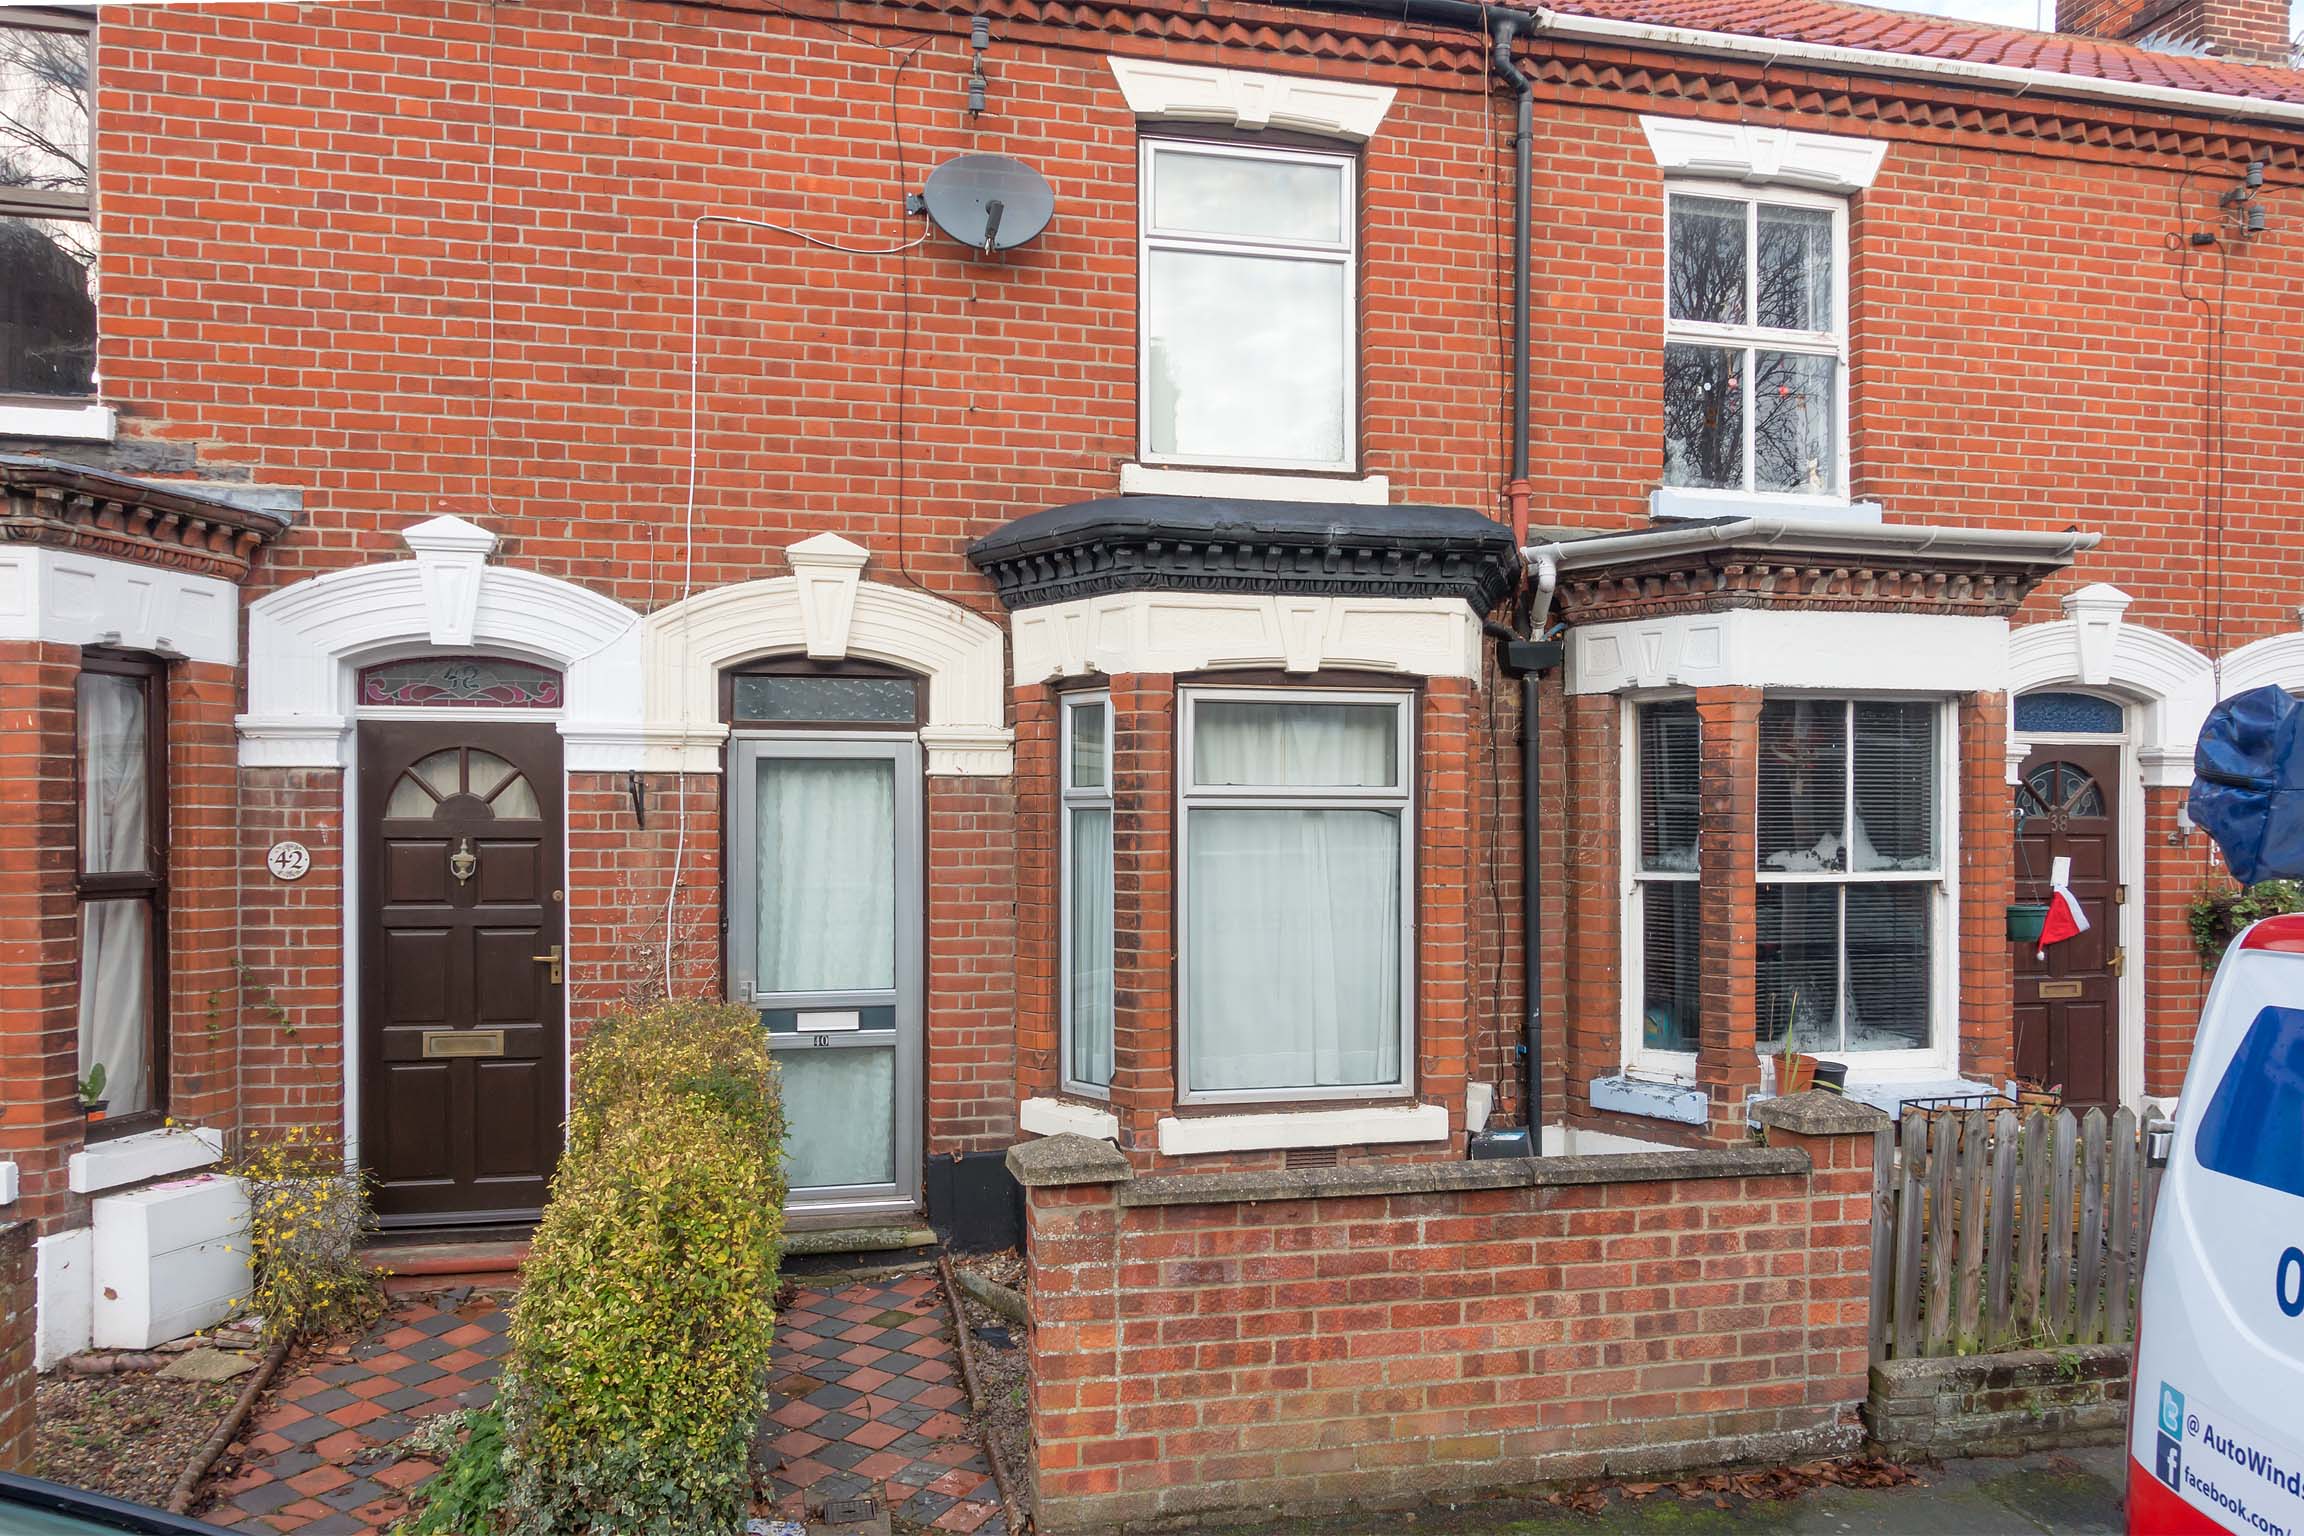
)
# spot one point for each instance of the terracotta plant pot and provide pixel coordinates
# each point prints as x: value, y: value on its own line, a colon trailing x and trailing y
x: 1796, y: 1074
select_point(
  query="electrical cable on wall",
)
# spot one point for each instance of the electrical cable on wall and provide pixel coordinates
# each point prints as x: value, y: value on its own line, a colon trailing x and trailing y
x: 903, y: 57
x: 694, y: 479
x: 2197, y: 232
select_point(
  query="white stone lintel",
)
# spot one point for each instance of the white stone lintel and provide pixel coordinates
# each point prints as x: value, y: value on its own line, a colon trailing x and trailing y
x: 1263, y: 1132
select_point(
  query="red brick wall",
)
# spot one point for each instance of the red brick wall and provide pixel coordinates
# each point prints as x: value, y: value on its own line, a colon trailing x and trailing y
x: 1986, y: 970
x: 1270, y: 1346
x: 619, y: 874
x: 290, y: 1001
x: 2253, y: 31
x: 16, y: 1332
x: 1143, y: 890
x: 972, y: 963
x: 40, y: 1121
x: 1728, y: 923
x: 432, y: 331
x: 204, y: 853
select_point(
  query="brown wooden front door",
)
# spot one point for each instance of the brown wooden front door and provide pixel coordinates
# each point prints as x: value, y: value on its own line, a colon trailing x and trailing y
x: 2068, y: 1004
x: 460, y: 1000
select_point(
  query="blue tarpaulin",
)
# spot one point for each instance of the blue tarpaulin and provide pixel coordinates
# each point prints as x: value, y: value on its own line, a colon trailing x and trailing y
x: 2248, y: 784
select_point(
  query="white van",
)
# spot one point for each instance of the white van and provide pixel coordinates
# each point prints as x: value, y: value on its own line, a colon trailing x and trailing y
x: 2216, y: 1419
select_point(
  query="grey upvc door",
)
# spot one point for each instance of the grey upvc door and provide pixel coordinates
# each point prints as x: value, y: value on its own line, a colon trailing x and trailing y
x: 824, y: 938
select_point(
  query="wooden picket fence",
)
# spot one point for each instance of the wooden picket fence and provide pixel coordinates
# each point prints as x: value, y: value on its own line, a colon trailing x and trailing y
x: 1992, y: 1233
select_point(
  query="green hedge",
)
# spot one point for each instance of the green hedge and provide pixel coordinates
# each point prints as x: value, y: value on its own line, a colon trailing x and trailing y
x: 640, y: 1339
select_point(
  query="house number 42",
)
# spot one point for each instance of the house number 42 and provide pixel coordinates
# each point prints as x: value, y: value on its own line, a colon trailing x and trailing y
x: 289, y: 861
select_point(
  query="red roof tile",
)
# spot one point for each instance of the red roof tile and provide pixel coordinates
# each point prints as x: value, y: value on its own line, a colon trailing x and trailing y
x: 1843, y: 25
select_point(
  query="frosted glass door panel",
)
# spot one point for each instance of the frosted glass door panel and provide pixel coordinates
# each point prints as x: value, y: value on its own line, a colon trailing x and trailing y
x: 827, y: 851
x: 839, y: 1116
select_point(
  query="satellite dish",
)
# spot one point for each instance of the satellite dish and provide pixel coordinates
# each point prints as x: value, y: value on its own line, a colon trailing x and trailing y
x: 989, y: 202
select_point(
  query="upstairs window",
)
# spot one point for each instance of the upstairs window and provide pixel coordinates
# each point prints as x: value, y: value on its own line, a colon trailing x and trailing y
x: 1756, y: 343
x: 1249, y: 344
x: 47, y: 232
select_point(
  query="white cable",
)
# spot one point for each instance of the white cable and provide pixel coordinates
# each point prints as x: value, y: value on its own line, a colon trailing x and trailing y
x: 688, y: 529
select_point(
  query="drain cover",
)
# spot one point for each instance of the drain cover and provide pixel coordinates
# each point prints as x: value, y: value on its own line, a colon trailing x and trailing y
x: 850, y: 1511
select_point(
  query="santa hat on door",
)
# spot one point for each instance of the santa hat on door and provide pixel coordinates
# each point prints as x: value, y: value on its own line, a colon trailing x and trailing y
x: 2066, y: 918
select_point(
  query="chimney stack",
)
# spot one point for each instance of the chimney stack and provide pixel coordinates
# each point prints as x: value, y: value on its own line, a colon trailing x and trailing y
x: 2244, y: 31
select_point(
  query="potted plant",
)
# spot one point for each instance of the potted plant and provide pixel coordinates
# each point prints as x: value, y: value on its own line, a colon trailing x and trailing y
x: 1795, y: 1068
x: 91, y: 1090
x: 2026, y: 919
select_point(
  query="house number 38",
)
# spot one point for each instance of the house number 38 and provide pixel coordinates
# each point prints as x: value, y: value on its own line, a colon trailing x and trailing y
x: 289, y: 861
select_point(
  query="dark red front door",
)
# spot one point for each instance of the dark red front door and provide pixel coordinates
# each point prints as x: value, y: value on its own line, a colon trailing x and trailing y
x: 460, y: 1011
x: 2068, y: 1005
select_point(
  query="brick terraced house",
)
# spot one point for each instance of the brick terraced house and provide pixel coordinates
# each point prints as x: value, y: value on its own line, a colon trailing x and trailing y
x: 510, y: 511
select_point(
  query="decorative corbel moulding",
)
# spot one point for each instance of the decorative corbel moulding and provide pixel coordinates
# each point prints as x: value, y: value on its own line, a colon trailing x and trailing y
x: 1686, y: 146
x: 450, y: 553
x: 1238, y: 98
x: 828, y: 568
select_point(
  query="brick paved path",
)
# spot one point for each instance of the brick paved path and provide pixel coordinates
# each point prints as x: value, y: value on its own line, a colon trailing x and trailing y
x: 317, y: 1458
x: 867, y: 1401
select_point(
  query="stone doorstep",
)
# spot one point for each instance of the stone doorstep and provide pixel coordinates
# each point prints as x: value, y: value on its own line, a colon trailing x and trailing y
x: 885, y: 1238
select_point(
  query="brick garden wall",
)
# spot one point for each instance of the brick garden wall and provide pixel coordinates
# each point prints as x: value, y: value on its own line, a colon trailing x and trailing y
x: 1319, y: 1338
x: 16, y: 1376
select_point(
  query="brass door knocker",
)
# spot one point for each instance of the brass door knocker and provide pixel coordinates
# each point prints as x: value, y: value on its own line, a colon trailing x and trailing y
x: 462, y: 862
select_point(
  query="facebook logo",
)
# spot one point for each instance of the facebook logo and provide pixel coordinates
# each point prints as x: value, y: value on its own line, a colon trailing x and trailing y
x: 2171, y: 1411
x: 2168, y: 1465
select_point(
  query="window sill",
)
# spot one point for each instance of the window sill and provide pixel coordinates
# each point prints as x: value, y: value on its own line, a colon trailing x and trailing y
x: 1060, y: 1117
x: 146, y: 1155
x: 80, y: 423
x: 1248, y: 485
x: 1675, y: 503
x: 1622, y: 1095
x: 1307, y: 1128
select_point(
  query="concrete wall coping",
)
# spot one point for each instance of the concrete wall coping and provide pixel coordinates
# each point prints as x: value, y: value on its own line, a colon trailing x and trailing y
x: 1925, y: 1372
x: 1069, y: 1158
x: 1443, y: 1178
x: 1817, y: 1113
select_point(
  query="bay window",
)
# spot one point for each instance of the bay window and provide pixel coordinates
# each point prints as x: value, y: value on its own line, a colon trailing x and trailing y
x: 1248, y: 306
x: 1664, y: 916
x: 121, y: 889
x: 1086, y: 834
x: 1852, y: 873
x: 1296, y: 975
x: 1756, y: 342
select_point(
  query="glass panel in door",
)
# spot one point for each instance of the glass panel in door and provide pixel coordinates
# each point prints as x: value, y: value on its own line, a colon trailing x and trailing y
x: 825, y: 941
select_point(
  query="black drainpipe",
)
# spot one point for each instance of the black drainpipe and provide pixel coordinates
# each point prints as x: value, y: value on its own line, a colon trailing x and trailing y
x: 1507, y: 27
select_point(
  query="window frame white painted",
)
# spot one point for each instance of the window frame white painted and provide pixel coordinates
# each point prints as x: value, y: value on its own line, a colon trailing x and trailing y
x: 1942, y: 1051
x: 1072, y: 797
x: 1399, y: 798
x: 1345, y: 253
x: 1674, y: 1066
x: 1752, y: 337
